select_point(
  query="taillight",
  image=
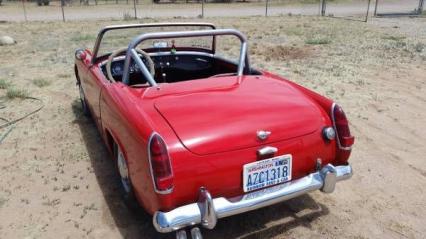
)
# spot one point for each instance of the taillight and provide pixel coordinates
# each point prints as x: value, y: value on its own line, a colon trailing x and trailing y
x: 344, y: 138
x: 161, y: 168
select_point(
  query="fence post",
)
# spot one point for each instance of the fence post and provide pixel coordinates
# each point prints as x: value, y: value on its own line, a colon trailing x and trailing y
x: 62, y: 9
x: 420, y: 9
x: 323, y: 6
x: 266, y: 8
x: 25, y: 10
x: 202, y: 8
x: 319, y: 7
x: 375, y: 8
x: 368, y: 10
x: 134, y: 6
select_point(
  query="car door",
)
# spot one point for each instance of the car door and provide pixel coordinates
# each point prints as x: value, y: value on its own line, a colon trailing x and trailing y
x: 93, y: 81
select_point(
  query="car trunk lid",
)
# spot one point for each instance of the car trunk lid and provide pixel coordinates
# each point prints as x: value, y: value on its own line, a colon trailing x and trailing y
x: 213, y: 121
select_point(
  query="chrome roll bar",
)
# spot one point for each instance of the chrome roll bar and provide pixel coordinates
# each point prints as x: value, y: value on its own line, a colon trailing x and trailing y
x: 147, y: 25
x: 131, y: 52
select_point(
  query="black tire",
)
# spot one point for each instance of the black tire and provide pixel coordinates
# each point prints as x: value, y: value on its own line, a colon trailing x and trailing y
x: 46, y: 3
x: 39, y: 3
x: 126, y: 188
x: 83, y: 101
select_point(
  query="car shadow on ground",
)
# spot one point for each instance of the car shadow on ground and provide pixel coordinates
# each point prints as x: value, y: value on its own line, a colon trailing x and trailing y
x: 262, y: 223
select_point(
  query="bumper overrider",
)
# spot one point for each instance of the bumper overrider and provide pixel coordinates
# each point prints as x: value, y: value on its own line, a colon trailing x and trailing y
x: 207, y: 210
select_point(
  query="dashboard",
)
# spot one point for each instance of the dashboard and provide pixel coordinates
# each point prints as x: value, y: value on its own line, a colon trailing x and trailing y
x: 164, y: 64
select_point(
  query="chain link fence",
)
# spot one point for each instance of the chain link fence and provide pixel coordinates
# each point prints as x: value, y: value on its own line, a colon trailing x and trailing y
x: 48, y: 10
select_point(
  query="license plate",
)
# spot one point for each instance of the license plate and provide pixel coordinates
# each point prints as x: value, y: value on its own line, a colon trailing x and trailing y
x: 267, y: 172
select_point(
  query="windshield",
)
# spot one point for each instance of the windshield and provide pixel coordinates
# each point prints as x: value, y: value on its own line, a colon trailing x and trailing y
x: 116, y: 37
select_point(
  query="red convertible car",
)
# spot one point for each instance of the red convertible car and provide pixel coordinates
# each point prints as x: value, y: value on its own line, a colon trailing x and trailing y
x: 197, y: 137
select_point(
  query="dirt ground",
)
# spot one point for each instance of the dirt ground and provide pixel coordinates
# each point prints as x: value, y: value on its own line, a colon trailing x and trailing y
x: 57, y: 180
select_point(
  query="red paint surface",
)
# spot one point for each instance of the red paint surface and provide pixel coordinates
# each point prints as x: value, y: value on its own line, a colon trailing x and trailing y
x: 209, y: 127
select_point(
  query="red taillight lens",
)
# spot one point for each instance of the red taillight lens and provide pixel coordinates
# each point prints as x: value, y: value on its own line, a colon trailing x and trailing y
x: 160, y: 164
x: 346, y: 140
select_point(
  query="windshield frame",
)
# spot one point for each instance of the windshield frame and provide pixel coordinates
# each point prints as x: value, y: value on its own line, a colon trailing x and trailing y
x: 149, y: 25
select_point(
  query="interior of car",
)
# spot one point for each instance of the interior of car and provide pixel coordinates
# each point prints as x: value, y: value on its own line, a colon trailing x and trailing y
x: 175, y: 67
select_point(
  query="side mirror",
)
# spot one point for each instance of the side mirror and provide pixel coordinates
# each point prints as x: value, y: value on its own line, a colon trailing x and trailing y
x: 80, y: 54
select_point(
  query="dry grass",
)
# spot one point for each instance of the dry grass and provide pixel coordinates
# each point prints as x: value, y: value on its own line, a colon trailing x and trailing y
x: 41, y: 82
x: 283, y: 53
x: 318, y: 41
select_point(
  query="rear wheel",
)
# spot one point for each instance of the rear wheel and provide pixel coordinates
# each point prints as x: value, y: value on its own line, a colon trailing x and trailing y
x: 83, y: 101
x: 126, y: 187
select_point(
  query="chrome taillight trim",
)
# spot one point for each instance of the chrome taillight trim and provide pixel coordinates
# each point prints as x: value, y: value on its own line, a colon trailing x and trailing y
x: 335, y: 129
x: 168, y: 191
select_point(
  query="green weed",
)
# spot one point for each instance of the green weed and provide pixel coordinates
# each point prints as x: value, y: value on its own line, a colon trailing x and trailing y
x: 13, y: 93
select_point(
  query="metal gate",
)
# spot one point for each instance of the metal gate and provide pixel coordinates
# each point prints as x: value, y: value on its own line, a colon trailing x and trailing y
x: 354, y: 10
x: 396, y: 8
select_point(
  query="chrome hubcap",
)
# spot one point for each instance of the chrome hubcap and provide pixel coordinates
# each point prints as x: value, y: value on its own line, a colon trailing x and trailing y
x: 123, y: 171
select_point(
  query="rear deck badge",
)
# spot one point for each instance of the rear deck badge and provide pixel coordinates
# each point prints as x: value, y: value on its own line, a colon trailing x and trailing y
x: 263, y: 135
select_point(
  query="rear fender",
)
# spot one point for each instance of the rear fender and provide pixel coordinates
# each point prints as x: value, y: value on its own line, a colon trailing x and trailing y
x: 326, y: 104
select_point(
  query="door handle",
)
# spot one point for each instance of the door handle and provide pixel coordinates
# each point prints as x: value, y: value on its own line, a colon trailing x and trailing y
x: 267, y: 150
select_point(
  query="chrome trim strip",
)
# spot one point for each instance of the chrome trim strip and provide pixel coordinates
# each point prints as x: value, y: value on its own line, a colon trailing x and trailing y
x: 191, y: 214
x: 166, y: 24
x: 182, y: 34
x: 335, y: 129
x: 151, y: 170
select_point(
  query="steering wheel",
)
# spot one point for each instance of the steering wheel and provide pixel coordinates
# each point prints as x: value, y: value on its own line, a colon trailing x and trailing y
x: 150, y: 65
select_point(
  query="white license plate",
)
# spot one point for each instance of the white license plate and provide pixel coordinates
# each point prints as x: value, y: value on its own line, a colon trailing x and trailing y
x: 267, y: 172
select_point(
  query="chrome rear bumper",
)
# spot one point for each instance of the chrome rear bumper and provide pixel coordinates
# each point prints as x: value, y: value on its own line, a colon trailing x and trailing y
x: 207, y: 210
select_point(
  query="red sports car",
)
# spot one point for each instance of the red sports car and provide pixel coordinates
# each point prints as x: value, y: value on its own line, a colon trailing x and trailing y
x: 196, y: 136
